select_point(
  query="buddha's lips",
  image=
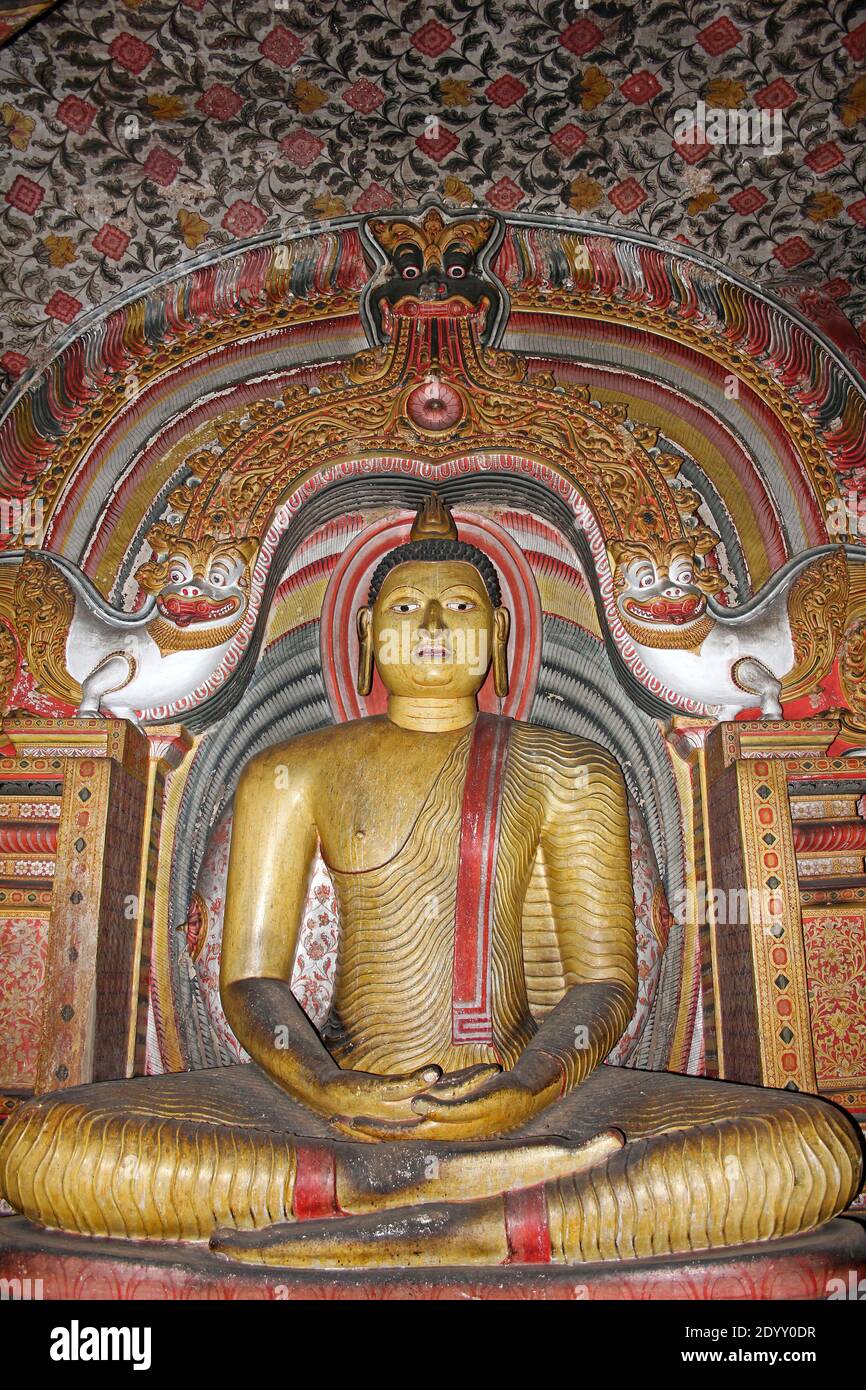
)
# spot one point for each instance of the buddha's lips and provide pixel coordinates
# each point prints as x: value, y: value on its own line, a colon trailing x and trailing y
x: 666, y: 610
x: 184, y: 611
x: 428, y: 652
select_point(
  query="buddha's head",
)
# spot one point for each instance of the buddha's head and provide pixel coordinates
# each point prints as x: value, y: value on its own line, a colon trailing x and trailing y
x: 434, y: 621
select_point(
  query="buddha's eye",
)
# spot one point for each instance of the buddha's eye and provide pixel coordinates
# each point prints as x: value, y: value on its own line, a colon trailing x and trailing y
x: 461, y: 605
x: 405, y: 607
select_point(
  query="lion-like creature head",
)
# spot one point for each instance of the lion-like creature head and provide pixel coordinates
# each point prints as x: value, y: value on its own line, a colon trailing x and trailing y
x: 203, y: 583
x: 660, y: 590
x: 432, y: 270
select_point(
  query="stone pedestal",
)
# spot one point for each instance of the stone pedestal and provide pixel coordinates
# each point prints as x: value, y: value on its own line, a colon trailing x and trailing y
x: 826, y: 1264
x: 782, y: 913
x: 80, y: 808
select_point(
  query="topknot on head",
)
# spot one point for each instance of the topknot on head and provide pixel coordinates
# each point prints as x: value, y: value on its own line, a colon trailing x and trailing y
x: 433, y: 521
x: 434, y: 537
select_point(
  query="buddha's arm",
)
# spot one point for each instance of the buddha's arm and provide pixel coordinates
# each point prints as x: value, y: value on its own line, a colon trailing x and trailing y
x: 585, y: 842
x: 274, y: 840
x: 273, y: 845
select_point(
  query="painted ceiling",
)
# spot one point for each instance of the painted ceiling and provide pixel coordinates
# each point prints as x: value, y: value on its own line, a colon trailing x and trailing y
x: 139, y: 135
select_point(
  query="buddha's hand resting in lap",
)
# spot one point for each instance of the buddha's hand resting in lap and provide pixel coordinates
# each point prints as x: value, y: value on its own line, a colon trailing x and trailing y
x: 366, y: 1105
x: 475, y: 1104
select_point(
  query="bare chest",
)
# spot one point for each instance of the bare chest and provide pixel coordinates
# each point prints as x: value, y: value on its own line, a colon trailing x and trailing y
x: 366, y: 812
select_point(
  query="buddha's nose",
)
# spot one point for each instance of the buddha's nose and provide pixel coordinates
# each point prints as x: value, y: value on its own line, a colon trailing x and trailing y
x: 434, y: 617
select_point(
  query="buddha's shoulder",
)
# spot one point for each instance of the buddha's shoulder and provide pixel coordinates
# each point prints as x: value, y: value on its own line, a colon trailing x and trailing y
x: 566, y: 754
x: 308, y: 751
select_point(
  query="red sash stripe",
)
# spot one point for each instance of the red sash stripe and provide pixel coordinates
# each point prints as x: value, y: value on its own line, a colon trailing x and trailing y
x: 526, y: 1228
x: 315, y: 1192
x: 471, y: 1012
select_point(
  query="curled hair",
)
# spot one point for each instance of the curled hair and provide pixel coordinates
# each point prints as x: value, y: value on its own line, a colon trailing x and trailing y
x: 437, y: 550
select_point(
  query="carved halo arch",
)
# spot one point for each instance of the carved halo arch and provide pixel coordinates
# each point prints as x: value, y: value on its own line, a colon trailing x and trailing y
x: 639, y: 316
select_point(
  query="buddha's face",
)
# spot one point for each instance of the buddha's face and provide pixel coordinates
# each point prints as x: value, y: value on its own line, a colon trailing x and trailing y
x: 433, y: 629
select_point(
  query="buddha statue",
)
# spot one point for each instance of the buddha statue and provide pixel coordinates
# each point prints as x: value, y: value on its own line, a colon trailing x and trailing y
x: 454, y: 1109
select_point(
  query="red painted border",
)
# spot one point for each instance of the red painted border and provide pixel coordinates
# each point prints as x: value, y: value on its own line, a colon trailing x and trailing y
x: 471, y: 1003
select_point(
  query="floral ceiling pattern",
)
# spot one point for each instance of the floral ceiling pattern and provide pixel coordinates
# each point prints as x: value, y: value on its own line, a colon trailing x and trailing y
x: 138, y: 134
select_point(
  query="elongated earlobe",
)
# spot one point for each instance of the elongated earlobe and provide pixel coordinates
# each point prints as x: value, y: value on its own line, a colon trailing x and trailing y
x: 501, y: 629
x: 365, y: 653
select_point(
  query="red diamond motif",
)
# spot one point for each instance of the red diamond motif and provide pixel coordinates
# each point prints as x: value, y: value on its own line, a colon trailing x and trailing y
x: 76, y: 114
x: 24, y: 194
x: 243, y: 218
x: 825, y: 157
x: 793, y: 252
x: 161, y: 166
x: 719, y: 36
x: 432, y: 38
x: 857, y: 210
x: 504, y: 195
x: 641, y: 87
x: 364, y: 96
x: 837, y: 288
x: 439, y: 147
x: 15, y: 363
x: 219, y: 102
x: 301, y: 148
x: 568, y: 138
x: 505, y: 91
x: 747, y: 201
x: 62, y: 306
x: 692, y: 151
x: 777, y: 96
x: 374, y: 199
x: 281, y: 46
x: 627, y: 196
x: 855, y: 42
x: 580, y: 37
x: 110, y: 241
x: 131, y: 53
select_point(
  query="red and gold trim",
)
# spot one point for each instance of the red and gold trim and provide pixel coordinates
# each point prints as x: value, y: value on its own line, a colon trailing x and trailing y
x: 471, y: 1008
